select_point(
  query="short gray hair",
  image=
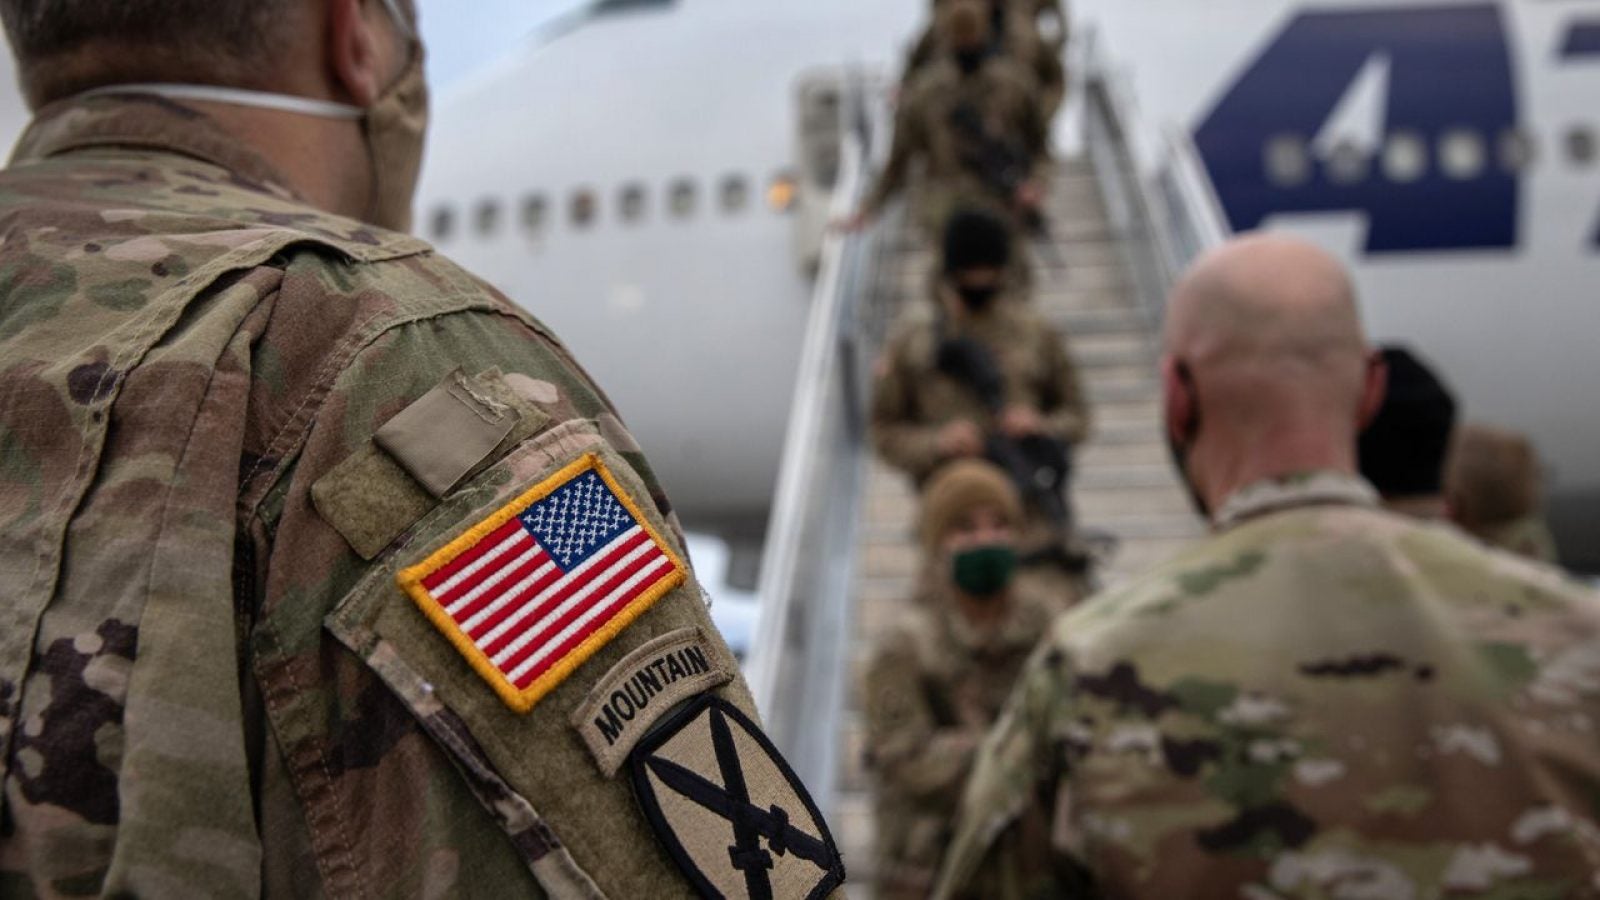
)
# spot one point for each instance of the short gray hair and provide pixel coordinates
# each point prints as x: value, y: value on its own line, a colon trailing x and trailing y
x: 217, y: 40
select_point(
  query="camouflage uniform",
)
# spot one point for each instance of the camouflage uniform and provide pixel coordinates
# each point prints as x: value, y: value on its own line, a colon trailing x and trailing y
x: 933, y: 688
x: 209, y: 679
x: 1021, y: 44
x: 933, y: 158
x: 912, y: 400
x: 1528, y: 536
x: 1323, y: 700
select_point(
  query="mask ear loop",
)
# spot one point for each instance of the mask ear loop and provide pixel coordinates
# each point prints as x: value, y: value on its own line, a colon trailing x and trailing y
x: 407, y: 27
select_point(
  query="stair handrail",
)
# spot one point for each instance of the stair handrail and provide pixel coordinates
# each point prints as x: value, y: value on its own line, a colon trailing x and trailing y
x: 798, y: 660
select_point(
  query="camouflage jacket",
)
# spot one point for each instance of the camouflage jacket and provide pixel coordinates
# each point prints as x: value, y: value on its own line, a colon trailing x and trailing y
x: 1528, y: 536
x: 1322, y: 700
x: 913, y: 400
x: 237, y: 438
x: 1021, y: 44
x: 936, y: 159
x: 934, y: 686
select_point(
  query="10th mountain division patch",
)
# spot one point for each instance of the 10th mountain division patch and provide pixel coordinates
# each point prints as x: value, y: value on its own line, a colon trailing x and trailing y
x: 730, y: 810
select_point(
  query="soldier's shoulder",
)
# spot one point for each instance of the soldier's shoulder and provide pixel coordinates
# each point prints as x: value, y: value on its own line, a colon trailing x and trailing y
x: 913, y: 337
x: 913, y: 637
x: 1217, y: 567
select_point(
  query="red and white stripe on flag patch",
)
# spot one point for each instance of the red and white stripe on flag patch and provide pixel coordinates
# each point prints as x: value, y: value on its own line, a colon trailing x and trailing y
x: 538, y: 587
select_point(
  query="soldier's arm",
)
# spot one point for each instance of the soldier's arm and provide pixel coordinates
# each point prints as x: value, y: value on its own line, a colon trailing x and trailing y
x: 921, y: 53
x: 1035, y: 134
x: 907, y: 143
x: 476, y: 616
x: 1016, y: 760
x: 1066, y: 413
x: 898, y: 434
x: 1051, y: 74
x: 905, y: 744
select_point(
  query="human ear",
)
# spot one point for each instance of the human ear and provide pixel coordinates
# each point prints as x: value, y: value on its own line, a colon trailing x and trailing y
x: 1375, y: 386
x: 1180, y: 406
x: 355, y: 59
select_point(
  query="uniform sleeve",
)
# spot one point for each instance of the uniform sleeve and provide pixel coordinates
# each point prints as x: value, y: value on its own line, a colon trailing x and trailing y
x: 1066, y: 412
x: 1035, y: 133
x: 1015, y: 761
x: 921, y: 54
x: 1051, y: 74
x: 898, y: 433
x: 907, y: 143
x: 906, y: 746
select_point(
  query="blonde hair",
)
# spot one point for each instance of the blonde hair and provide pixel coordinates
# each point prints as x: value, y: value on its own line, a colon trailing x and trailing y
x: 1492, y: 476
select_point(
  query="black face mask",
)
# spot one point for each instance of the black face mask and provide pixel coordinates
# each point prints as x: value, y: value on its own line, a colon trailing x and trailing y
x: 1180, y: 451
x: 971, y: 59
x: 977, y: 299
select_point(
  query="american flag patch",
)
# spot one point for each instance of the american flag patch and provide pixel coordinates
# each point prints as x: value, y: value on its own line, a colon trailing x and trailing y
x: 538, y: 587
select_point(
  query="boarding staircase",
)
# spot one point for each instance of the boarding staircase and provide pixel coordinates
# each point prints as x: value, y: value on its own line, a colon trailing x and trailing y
x: 1123, y: 486
x: 840, y: 558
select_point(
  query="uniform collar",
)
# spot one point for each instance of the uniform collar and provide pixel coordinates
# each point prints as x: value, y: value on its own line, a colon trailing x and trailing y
x: 143, y: 121
x: 1320, y: 488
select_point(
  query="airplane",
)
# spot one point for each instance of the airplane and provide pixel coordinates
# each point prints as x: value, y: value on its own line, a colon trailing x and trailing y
x: 650, y: 177
x: 1444, y: 149
x: 664, y: 163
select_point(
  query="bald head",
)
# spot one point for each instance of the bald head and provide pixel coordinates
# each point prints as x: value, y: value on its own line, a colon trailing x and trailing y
x: 1264, y: 297
x: 1264, y: 349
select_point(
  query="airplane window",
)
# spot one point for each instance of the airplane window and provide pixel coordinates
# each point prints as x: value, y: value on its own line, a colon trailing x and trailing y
x: 631, y: 202
x: 1580, y: 145
x: 1405, y: 157
x: 1517, y: 150
x: 535, y: 210
x: 781, y: 192
x: 681, y: 198
x: 487, y: 217
x: 735, y: 194
x: 444, y: 223
x: 1462, y: 155
x: 1287, y: 160
x: 1347, y: 163
x: 584, y: 208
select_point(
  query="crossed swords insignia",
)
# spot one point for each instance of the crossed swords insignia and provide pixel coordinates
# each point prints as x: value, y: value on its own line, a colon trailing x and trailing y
x: 751, y: 823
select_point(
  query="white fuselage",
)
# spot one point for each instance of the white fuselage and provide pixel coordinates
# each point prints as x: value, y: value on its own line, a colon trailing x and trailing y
x: 686, y: 304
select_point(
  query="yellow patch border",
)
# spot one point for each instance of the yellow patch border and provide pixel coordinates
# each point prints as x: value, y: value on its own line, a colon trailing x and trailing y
x: 523, y: 701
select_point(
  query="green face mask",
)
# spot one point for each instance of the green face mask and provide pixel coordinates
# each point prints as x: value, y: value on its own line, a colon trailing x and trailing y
x: 984, y: 571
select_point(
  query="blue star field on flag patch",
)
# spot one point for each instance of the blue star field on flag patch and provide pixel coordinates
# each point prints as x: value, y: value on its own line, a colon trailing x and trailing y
x: 575, y: 521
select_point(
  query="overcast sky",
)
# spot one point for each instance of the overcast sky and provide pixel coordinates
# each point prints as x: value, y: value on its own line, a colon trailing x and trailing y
x: 464, y: 35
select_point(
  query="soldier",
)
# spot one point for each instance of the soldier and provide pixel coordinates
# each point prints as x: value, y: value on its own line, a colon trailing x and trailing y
x: 1013, y: 34
x: 1402, y: 452
x: 1324, y: 699
x: 984, y: 376
x: 937, y: 680
x: 1494, y: 487
x: 967, y: 135
x: 329, y: 572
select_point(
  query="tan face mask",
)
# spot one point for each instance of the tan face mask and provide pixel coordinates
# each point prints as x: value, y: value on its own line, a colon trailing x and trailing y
x: 396, y: 126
